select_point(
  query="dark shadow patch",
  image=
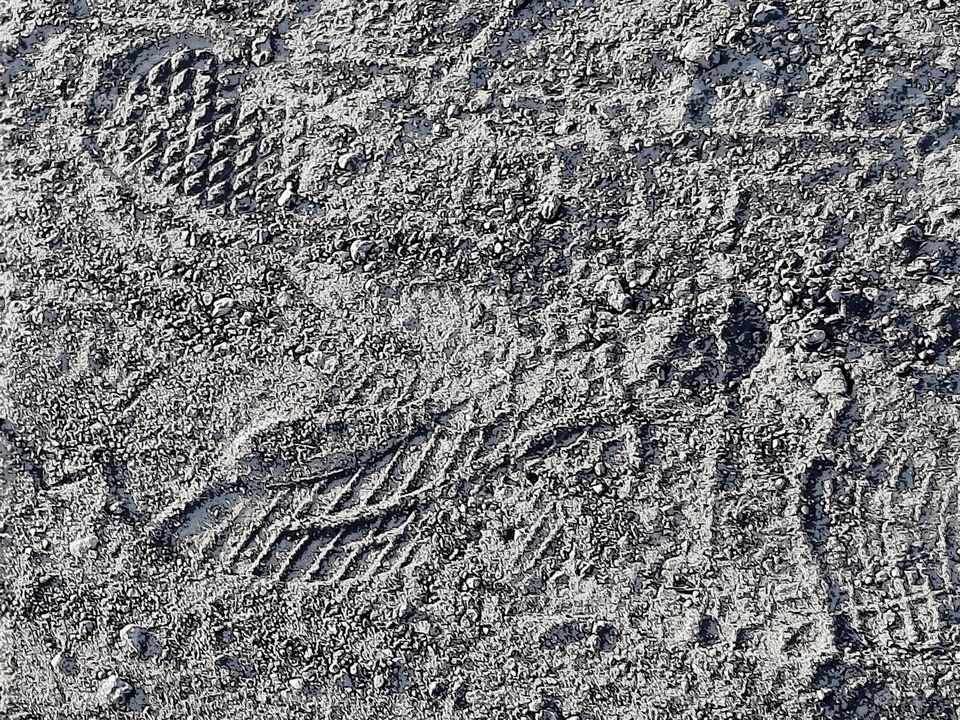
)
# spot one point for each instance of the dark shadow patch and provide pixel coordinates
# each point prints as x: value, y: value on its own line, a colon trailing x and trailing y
x: 561, y: 636
x: 708, y: 632
x: 746, y: 335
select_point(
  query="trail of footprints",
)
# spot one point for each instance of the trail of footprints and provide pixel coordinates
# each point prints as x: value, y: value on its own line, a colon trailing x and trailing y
x: 365, y: 516
x: 180, y: 126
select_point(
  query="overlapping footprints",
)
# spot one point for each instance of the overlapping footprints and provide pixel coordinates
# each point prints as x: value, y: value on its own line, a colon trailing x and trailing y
x: 173, y: 122
x: 337, y: 516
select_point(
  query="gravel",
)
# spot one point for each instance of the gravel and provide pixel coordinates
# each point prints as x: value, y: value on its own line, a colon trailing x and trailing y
x: 532, y: 359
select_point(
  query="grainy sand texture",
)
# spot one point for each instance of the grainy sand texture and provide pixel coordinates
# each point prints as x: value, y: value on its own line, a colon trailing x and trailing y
x: 479, y: 359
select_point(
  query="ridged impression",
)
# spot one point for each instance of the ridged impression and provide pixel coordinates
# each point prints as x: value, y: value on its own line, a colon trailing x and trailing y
x: 363, y: 515
x: 172, y: 121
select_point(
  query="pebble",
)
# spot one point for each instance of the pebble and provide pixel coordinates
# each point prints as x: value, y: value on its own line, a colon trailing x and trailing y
x: 65, y: 664
x: 813, y: 338
x: 550, y: 208
x: 231, y: 664
x: 835, y: 295
x: 286, y: 197
x: 766, y: 13
x: 483, y: 101
x: 141, y: 640
x: 86, y: 628
x: 224, y: 635
x: 262, y: 51
x: 222, y: 307
x: 324, y: 362
x: 120, y: 694
x: 831, y: 383
x: 696, y: 50
x: 83, y: 545
x: 904, y: 368
x: 349, y: 160
x: 359, y: 250
x: 619, y: 300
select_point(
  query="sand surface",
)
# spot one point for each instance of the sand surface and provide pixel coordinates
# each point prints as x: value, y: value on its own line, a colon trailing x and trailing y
x: 528, y: 359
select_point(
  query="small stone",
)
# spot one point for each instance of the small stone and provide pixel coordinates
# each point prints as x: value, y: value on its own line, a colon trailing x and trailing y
x: 696, y: 50
x: 766, y: 13
x: 814, y: 338
x: 83, y: 545
x: 224, y: 635
x: 605, y: 636
x: 232, y: 665
x: 644, y: 276
x: 286, y: 197
x: 324, y: 362
x: 835, y: 295
x: 483, y: 101
x: 120, y: 694
x: 65, y: 664
x: 618, y: 300
x: 349, y: 160
x: 831, y: 383
x: 222, y: 307
x: 359, y: 250
x: 550, y: 208
x: 904, y: 368
x: 261, y: 51
x: 141, y: 640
